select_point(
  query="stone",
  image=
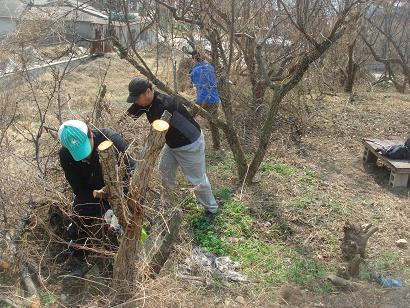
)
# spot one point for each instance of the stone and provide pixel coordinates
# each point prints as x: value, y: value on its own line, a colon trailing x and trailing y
x: 239, y: 299
x: 401, y: 243
x: 64, y: 298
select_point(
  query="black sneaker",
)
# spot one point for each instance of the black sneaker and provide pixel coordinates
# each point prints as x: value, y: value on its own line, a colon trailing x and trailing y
x: 209, y: 217
x: 76, y: 267
x: 79, y: 270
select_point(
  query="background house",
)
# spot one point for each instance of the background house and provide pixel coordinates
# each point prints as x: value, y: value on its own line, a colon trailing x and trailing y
x: 76, y: 22
x: 10, y: 10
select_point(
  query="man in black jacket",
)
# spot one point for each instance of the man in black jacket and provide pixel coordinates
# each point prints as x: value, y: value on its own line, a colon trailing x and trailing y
x: 184, y: 141
x: 80, y: 162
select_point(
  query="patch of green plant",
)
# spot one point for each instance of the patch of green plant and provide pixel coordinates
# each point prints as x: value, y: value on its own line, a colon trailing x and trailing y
x: 231, y: 221
x: 191, y: 204
x: 338, y: 208
x: 234, y: 221
x: 280, y: 168
x: 387, y: 260
x: 302, y: 271
x: 307, y: 200
x: 270, y: 263
x: 333, y: 240
x: 206, y: 236
x: 47, y: 298
x: 259, y: 260
x: 309, y: 176
x: 224, y: 193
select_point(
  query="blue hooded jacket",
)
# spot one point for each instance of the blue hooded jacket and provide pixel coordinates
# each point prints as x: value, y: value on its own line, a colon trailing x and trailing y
x: 204, y: 79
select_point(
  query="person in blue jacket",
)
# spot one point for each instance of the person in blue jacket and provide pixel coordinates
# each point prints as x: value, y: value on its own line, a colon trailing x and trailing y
x: 204, y: 79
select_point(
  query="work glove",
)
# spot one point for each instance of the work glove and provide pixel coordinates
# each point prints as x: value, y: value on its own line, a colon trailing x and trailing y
x: 100, y: 193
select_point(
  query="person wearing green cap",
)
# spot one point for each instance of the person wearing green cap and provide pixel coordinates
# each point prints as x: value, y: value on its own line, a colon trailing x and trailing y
x: 80, y: 162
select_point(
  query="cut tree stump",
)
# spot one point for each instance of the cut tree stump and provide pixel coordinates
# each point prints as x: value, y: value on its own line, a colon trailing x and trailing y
x: 130, y: 210
x: 113, y: 181
x: 355, y: 240
x: 352, y: 269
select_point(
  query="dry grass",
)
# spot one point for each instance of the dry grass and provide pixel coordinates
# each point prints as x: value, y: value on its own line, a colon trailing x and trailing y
x: 312, y: 180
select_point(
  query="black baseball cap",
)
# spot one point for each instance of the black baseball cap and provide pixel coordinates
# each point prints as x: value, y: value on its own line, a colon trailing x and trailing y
x: 136, y: 87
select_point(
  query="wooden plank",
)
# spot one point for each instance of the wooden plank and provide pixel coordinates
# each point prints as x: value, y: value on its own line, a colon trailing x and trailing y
x: 398, y: 166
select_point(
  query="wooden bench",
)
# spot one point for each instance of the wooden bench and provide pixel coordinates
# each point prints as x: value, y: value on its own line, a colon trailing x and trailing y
x: 399, y: 169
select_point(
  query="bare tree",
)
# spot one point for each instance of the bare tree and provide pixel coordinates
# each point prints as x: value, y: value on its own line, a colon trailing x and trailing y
x: 387, y: 36
x: 277, y: 42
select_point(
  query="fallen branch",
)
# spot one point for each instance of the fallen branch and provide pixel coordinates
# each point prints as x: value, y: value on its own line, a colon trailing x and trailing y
x: 162, y: 244
x: 20, y: 258
x: 344, y: 284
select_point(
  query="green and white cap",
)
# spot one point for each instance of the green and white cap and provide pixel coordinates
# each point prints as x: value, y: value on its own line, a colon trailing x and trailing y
x: 73, y: 136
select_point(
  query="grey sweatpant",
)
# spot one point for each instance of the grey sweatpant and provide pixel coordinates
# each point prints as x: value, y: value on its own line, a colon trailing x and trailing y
x: 191, y: 159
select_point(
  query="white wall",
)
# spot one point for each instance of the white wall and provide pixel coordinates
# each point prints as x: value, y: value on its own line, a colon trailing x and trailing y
x: 6, y: 26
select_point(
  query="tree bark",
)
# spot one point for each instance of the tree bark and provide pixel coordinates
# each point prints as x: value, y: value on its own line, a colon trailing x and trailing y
x: 344, y: 284
x: 355, y: 240
x: 351, y: 68
x: 20, y: 259
x: 125, y: 270
x: 159, y: 244
x: 112, y: 179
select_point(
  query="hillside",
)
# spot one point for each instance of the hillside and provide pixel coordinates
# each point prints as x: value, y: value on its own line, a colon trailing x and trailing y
x: 285, y: 230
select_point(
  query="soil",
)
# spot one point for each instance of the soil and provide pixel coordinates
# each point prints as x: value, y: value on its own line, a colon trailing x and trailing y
x: 328, y: 143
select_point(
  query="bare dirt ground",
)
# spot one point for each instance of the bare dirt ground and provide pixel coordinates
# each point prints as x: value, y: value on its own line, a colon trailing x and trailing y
x: 312, y: 181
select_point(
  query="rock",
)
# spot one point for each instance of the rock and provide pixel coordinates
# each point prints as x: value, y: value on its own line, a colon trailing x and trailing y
x: 239, y: 299
x: 256, y: 178
x: 64, y: 298
x: 406, y: 260
x: 401, y: 243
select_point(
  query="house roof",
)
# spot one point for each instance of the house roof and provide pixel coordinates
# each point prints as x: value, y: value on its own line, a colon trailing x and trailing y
x: 74, y: 4
x: 11, y: 8
x: 84, y: 7
x: 62, y: 13
x: 68, y: 10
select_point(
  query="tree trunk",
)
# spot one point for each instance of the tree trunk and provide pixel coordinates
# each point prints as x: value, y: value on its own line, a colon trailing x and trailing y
x: 112, y: 179
x: 258, y: 86
x: 20, y: 259
x: 355, y: 240
x: 351, y: 69
x: 160, y: 241
x: 265, y: 136
x: 131, y: 214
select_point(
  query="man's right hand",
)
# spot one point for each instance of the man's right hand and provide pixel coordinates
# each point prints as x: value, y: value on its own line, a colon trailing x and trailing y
x: 100, y: 193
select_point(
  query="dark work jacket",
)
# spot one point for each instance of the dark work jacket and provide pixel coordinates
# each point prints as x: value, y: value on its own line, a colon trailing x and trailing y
x: 86, y: 175
x: 183, y: 129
